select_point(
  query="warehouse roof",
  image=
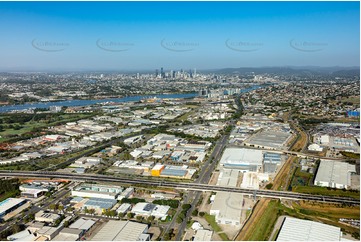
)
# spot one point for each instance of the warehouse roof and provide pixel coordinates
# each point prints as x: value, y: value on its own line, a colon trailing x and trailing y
x: 9, y: 203
x: 229, y: 205
x: 335, y: 172
x: 294, y: 229
x: 235, y: 156
x: 83, y: 224
x: 174, y: 172
x: 203, y: 235
x: 143, y: 207
x: 228, y: 177
x: 100, y: 203
x: 68, y: 234
x: 120, y: 231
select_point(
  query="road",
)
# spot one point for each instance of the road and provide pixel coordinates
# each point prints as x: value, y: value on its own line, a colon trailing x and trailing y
x: 179, y: 185
x: 204, y: 176
x: 209, y: 166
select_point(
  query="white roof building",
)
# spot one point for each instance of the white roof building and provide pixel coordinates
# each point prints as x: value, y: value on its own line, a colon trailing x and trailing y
x: 203, y: 235
x: 24, y: 235
x: 121, y: 231
x: 196, y: 226
x: 9, y: 205
x: 227, y: 208
x: 96, y: 191
x: 325, y: 139
x: 228, y: 177
x: 126, y: 193
x: 315, y: 147
x: 242, y: 159
x: 143, y: 208
x: 125, y: 207
x: 68, y: 234
x: 336, y: 174
x: 250, y: 180
x: 294, y: 229
x: 83, y: 224
x: 160, y: 211
x: 42, y: 216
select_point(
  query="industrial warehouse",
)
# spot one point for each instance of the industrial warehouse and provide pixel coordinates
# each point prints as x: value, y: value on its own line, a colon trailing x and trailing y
x: 122, y: 231
x: 227, y: 208
x: 242, y: 159
x: 96, y: 191
x: 9, y: 205
x: 334, y: 174
x: 294, y: 229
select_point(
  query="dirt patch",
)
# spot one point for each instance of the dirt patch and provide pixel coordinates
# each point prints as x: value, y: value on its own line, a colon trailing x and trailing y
x: 280, y: 181
x: 214, y: 178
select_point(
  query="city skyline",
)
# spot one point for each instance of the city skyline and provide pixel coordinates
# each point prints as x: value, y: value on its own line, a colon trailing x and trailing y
x: 124, y: 36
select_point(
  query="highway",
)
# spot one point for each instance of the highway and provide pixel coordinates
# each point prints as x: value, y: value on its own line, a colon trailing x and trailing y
x: 180, y: 185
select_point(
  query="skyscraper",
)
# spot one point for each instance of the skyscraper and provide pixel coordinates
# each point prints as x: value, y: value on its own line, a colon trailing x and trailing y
x: 162, y: 74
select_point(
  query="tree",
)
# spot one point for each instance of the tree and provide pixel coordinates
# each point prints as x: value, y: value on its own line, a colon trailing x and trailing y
x: 16, y: 228
x: 202, y: 214
x: 53, y: 206
x: 139, y: 217
x: 86, y: 210
x: 195, y: 212
x: 186, y: 206
x: 112, y: 213
x: 130, y: 215
x: 70, y: 209
x: 66, y: 223
x: 269, y: 185
x: 150, y: 219
x: 179, y: 220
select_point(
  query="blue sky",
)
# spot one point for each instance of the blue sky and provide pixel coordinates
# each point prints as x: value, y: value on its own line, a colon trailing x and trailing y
x: 174, y: 35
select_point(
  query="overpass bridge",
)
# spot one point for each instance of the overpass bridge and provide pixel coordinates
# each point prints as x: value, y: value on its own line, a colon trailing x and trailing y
x: 179, y: 185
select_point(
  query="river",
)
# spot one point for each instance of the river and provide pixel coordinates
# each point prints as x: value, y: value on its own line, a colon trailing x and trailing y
x: 77, y: 102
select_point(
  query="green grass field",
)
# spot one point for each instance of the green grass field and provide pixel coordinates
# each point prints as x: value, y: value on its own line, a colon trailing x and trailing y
x: 31, y: 125
x: 263, y: 229
x: 352, y: 99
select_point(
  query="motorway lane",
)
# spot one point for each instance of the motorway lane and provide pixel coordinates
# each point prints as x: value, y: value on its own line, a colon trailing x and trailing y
x: 208, y: 168
x: 180, y: 185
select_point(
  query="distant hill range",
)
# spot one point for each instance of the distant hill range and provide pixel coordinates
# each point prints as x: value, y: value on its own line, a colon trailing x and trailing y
x: 293, y: 70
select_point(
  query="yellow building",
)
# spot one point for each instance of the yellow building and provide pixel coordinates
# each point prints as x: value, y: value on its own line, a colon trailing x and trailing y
x: 157, y: 169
